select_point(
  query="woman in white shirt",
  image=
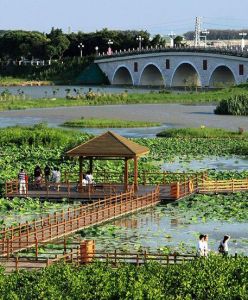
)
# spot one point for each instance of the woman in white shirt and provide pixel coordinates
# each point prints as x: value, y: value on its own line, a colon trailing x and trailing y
x: 200, y: 246
x: 223, y: 247
x: 205, y: 245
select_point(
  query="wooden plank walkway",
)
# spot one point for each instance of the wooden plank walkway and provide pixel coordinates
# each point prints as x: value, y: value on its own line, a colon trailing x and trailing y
x: 58, y: 225
x: 74, y: 256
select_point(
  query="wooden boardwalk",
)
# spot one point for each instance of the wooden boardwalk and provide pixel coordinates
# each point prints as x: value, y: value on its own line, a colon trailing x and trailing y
x: 74, y: 256
x: 57, y: 225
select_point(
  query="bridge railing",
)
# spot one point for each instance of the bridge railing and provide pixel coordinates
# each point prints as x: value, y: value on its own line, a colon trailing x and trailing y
x: 212, y: 50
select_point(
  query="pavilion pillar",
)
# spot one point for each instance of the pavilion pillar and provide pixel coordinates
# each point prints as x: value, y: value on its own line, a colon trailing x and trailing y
x: 91, y: 165
x: 135, y: 173
x: 80, y: 185
x: 126, y: 174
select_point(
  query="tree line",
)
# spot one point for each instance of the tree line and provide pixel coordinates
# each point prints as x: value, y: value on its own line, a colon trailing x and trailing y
x: 19, y: 44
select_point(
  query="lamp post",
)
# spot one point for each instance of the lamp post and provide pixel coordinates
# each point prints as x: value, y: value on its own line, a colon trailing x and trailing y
x: 140, y: 39
x: 81, y: 47
x: 96, y: 48
x: 110, y: 42
x: 243, y: 34
x: 205, y: 32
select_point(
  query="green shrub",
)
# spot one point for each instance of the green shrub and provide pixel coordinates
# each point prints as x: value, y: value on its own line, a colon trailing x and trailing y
x: 235, y: 105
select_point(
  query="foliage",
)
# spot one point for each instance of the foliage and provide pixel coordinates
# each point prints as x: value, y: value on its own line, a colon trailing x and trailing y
x: 58, y: 72
x: 212, y: 278
x: 202, y: 132
x: 98, y: 98
x: 108, y: 123
x: 214, y: 207
x: 235, y: 105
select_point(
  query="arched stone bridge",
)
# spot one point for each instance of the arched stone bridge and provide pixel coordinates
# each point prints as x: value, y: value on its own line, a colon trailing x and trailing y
x: 175, y: 68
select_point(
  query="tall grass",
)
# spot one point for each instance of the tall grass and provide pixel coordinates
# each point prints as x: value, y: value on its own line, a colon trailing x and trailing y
x: 201, y: 133
x: 75, y: 98
x: 235, y: 105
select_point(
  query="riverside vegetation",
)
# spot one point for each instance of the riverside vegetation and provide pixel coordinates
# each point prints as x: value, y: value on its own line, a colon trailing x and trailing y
x: 235, y: 105
x: 212, y: 278
x: 108, y: 123
x: 75, y: 97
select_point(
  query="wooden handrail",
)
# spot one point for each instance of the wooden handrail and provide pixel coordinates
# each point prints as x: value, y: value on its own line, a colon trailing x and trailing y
x: 60, y: 224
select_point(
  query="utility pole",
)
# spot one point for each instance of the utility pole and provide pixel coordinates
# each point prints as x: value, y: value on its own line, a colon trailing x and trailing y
x: 205, y: 32
x: 197, y: 31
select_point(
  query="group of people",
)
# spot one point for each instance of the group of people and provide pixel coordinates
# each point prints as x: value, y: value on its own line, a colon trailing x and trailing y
x: 47, y: 175
x: 202, y: 247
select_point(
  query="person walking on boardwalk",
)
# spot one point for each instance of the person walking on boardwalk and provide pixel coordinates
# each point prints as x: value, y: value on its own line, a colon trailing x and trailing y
x: 200, y: 246
x: 223, y: 247
x: 22, y: 182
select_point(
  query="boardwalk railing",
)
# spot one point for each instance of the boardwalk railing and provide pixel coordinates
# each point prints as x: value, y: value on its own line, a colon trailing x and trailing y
x: 64, y: 223
x: 73, y: 256
x: 223, y: 186
x: 166, y: 180
x: 64, y: 189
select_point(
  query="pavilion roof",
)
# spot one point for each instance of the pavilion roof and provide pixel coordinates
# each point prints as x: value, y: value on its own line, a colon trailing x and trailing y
x: 108, y: 144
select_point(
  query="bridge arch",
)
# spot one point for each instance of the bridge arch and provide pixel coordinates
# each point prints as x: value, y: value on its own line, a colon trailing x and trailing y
x: 122, y: 76
x: 186, y: 74
x: 151, y: 75
x: 221, y: 76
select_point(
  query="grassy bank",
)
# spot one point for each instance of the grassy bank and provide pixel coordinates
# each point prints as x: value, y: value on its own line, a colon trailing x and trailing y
x: 75, y: 98
x: 108, y: 123
x: 202, y: 133
x: 11, y: 81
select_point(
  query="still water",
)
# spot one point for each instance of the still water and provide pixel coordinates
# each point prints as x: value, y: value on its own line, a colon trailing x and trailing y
x: 154, y: 230
x: 238, y: 163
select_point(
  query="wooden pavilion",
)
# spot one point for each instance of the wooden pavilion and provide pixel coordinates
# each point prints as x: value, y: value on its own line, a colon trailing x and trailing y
x: 109, y: 146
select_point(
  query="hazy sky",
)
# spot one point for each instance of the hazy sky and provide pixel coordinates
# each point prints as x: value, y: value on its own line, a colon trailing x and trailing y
x: 156, y: 16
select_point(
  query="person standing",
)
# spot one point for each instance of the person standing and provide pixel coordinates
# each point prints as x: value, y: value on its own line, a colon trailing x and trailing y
x: 47, y: 173
x: 200, y: 246
x: 37, y: 176
x: 22, y: 182
x: 89, y: 177
x: 205, y: 245
x: 223, y: 247
x: 56, y: 177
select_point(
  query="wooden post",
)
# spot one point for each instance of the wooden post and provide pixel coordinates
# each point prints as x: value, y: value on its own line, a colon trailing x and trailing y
x: 7, y: 249
x: 65, y: 245
x: 80, y: 185
x: 16, y: 263
x: 91, y: 165
x: 126, y: 174
x: 136, y: 173
x: 87, y: 251
x: 36, y: 248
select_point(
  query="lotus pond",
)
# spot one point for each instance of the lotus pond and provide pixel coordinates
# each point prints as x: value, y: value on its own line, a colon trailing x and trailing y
x: 176, y: 226
x: 220, y: 163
